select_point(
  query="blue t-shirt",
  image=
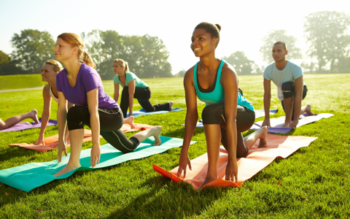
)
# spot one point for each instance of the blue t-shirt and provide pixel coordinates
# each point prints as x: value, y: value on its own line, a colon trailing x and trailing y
x: 87, y: 79
x: 129, y: 77
x: 289, y: 73
x: 218, y: 94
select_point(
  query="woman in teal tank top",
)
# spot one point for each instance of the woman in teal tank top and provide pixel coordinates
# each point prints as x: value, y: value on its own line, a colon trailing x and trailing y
x: 227, y: 113
x: 133, y: 87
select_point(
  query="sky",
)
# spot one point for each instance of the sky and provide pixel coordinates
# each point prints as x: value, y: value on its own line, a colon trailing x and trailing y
x: 243, y: 23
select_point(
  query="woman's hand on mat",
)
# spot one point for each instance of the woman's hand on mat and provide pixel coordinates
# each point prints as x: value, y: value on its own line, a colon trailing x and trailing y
x: 40, y: 141
x: 294, y: 124
x: 61, y: 148
x: 183, y: 162
x: 95, y: 155
x: 266, y: 122
x: 232, y: 171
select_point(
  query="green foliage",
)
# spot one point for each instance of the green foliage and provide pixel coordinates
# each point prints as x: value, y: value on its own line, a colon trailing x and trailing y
x: 7, y: 66
x: 147, y: 56
x: 32, y: 48
x: 240, y: 62
x: 180, y: 73
x: 279, y: 35
x: 329, y: 41
x: 315, y: 181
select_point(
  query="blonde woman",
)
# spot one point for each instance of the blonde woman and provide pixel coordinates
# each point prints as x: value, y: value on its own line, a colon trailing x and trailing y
x: 80, y: 84
x: 133, y: 87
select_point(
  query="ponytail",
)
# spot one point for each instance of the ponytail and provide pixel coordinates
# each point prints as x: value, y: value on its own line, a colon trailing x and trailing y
x: 124, y: 64
x: 88, y: 60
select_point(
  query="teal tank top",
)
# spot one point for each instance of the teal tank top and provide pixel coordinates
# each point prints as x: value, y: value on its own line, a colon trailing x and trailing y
x: 216, y: 94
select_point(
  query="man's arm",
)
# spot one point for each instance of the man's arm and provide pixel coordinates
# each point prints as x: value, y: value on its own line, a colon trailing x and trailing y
x: 298, y: 90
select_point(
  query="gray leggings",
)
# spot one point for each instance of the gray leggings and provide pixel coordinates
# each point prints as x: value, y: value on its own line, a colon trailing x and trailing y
x: 215, y: 114
x: 111, y: 120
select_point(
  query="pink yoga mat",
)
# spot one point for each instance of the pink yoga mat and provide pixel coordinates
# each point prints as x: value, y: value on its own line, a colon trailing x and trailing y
x: 52, y: 141
x: 256, y: 160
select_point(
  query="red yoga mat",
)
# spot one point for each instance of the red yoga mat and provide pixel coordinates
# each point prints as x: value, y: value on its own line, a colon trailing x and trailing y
x: 256, y: 160
x: 52, y: 141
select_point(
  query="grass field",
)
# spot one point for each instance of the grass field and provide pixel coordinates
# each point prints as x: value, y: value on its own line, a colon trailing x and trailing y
x: 314, y: 180
x: 9, y: 82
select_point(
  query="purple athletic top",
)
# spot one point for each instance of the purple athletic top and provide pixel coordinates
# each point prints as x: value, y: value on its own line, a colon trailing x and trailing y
x: 87, y: 80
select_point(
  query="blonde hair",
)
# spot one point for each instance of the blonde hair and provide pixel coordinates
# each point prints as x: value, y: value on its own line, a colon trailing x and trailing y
x: 75, y: 40
x: 124, y: 64
x: 56, y: 65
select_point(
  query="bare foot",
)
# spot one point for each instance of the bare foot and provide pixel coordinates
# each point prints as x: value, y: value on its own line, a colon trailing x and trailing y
x: 130, y: 121
x: 263, y: 137
x: 308, y: 110
x: 67, y: 169
x: 171, y: 106
x: 156, y: 135
x: 206, y: 181
x: 34, y: 115
x: 286, y: 125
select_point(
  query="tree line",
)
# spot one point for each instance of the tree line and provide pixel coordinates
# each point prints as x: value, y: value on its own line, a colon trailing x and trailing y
x: 146, y: 55
x: 328, y: 46
x: 326, y: 33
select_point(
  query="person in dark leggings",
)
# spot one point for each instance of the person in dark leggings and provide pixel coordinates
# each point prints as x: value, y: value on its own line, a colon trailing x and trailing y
x: 291, y: 89
x: 133, y: 87
x: 80, y: 84
x: 227, y: 113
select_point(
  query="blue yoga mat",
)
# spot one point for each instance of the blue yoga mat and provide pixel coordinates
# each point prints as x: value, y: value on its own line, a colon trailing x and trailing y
x: 33, y: 175
x: 143, y: 112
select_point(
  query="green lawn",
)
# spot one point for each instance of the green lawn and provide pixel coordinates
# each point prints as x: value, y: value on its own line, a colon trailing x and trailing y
x: 314, y: 180
x: 9, y: 82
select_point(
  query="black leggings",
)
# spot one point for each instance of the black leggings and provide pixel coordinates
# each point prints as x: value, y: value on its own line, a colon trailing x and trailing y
x: 215, y: 114
x: 111, y: 120
x: 288, y: 91
x: 142, y: 95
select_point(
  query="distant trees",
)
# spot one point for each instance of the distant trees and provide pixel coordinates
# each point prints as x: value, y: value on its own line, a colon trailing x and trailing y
x: 6, y: 65
x: 147, y: 56
x: 327, y: 34
x: 279, y: 35
x: 32, y: 48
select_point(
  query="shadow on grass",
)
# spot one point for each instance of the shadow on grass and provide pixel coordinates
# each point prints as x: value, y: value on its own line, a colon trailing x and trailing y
x: 168, y: 199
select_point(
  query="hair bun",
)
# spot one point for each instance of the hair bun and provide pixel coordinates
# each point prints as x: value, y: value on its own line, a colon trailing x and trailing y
x: 218, y: 26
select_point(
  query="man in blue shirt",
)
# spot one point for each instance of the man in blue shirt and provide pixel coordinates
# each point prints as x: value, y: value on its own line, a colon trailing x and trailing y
x: 288, y: 77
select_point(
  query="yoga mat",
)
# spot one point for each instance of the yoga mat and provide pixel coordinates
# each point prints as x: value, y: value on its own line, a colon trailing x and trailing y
x: 33, y: 175
x: 277, y: 123
x: 26, y: 125
x: 52, y: 141
x: 258, y: 114
x: 256, y: 160
x: 143, y: 112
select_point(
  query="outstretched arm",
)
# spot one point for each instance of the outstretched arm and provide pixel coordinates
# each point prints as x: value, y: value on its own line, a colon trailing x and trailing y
x: 229, y: 81
x: 267, y: 100
x: 92, y: 99
x: 62, y: 122
x: 298, y: 89
x: 45, y: 116
x: 190, y: 123
x: 131, y: 90
x: 116, y: 92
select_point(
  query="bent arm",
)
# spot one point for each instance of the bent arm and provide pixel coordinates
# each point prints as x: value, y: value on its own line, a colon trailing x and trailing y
x: 116, y: 92
x: 92, y: 100
x: 298, y: 88
x: 131, y: 90
x: 267, y: 97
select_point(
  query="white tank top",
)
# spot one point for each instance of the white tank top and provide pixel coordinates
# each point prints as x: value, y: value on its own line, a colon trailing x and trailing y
x: 53, y: 95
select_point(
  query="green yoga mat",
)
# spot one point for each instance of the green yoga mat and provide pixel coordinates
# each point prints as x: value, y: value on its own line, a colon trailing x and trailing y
x: 33, y: 175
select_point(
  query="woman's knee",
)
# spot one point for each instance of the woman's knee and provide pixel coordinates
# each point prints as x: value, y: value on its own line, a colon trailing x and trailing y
x: 213, y: 114
x: 75, y: 117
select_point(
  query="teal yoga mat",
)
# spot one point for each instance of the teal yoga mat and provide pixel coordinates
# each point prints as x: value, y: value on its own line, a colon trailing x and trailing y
x: 33, y: 175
